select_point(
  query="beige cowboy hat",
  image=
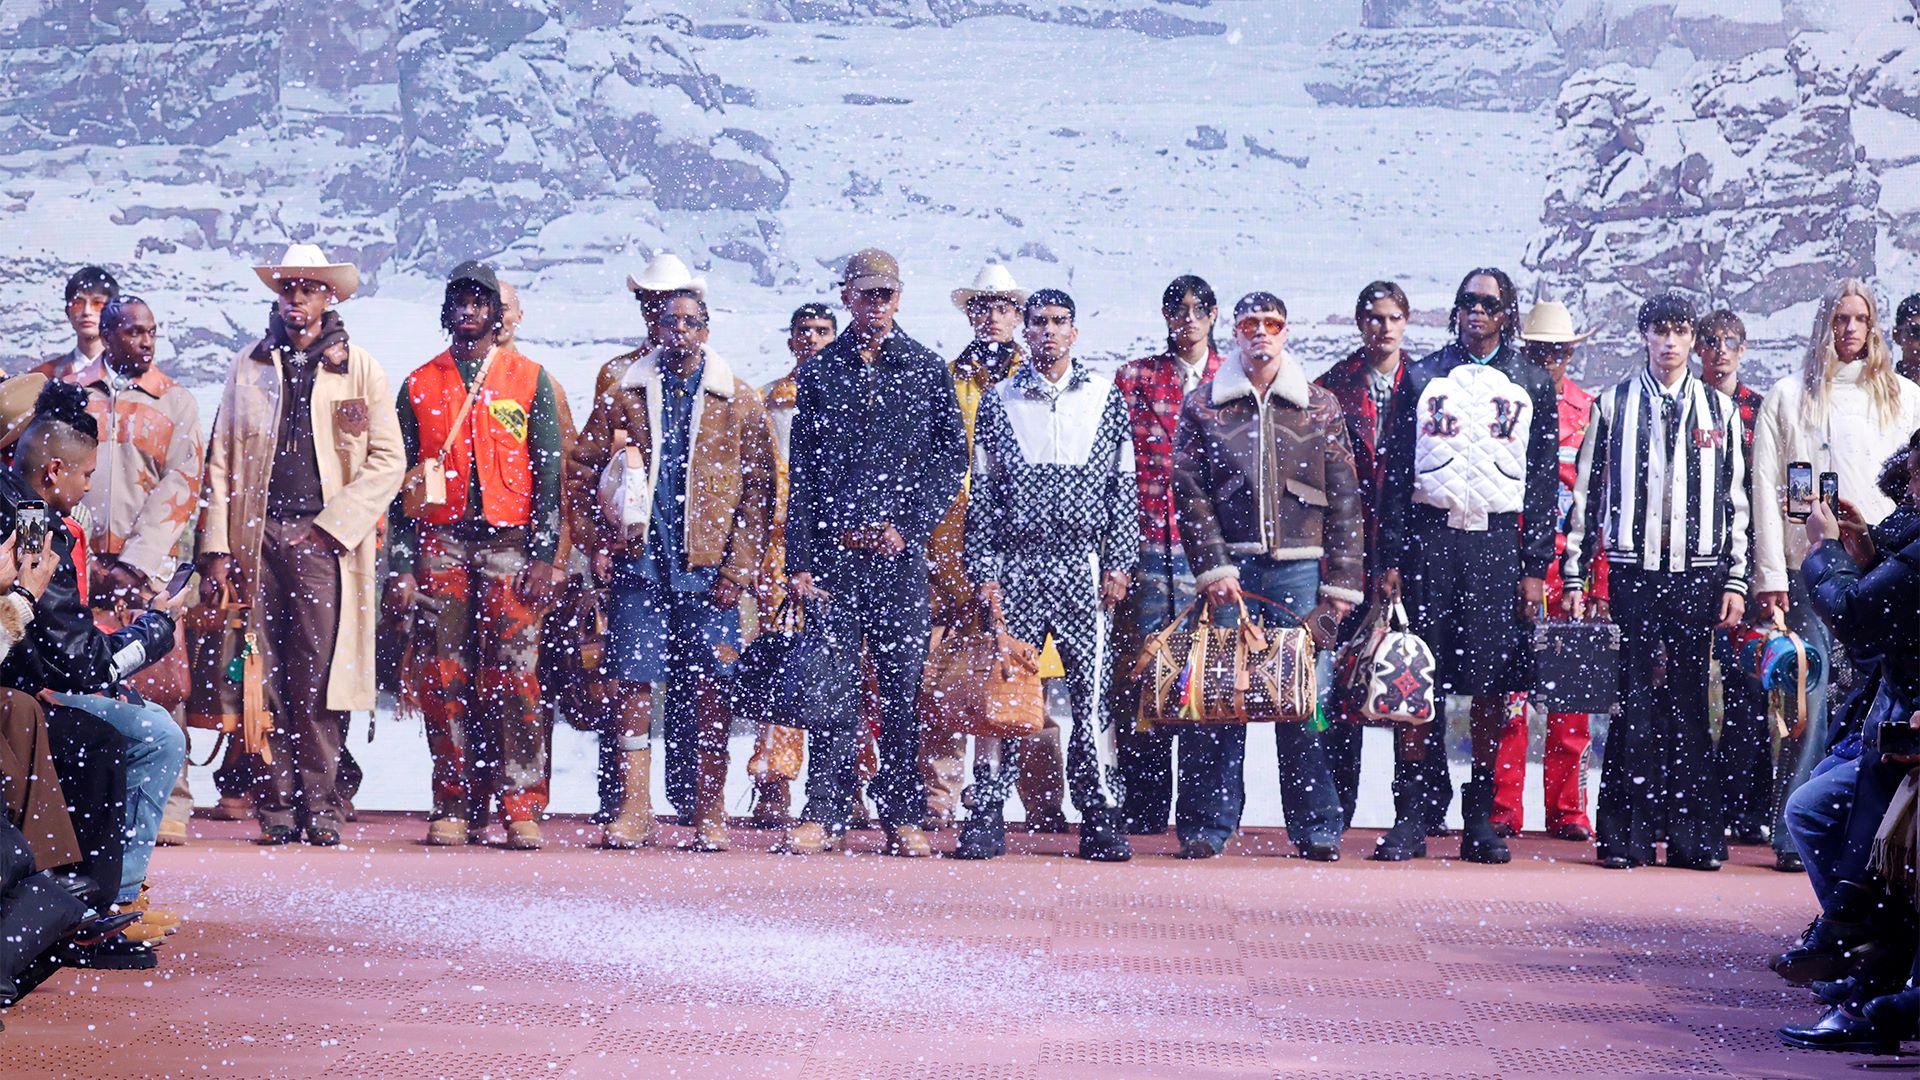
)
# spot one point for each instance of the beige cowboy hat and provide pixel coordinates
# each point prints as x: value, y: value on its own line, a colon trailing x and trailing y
x: 18, y: 396
x: 305, y: 262
x: 1549, y: 323
x: 666, y: 273
x: 992, y: 280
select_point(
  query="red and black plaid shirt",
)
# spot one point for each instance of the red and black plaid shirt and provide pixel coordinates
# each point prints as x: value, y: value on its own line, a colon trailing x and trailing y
x: 1151, y: 388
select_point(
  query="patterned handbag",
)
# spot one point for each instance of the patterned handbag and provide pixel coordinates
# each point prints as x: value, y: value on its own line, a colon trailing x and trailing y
x: 1207, y: 674
x: 1399, y: 673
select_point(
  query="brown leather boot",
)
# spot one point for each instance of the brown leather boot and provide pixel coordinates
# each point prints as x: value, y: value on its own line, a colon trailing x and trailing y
x: 710, y: 805
x: 635, y: 826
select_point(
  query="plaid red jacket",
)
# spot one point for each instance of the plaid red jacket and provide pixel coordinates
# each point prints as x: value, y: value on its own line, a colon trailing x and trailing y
x: 1151, y: 388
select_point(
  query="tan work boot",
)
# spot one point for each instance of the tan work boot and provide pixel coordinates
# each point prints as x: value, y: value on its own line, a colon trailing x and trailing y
x: 525, y: 836
x: 634, y: 826
x: 907, y: 842
x: 173, y: 832
x: 710, y: 805
x: 808, y: 838
x: 771, y: 801
x: 447, y: 832
x: 232, y: 808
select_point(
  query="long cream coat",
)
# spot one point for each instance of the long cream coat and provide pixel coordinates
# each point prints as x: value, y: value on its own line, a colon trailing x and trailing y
x: 361, y: 458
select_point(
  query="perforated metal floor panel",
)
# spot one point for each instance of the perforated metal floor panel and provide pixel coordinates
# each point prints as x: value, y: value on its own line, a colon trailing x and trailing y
x: 385, y: 958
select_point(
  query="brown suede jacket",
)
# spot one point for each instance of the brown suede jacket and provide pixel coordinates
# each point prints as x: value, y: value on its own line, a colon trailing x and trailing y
x: 1277, y: 480
x: 730, y: 472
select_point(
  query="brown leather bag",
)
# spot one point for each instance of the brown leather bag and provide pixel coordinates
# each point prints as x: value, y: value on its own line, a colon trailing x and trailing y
x: 229, y: 677
x: 425, y: 485
x: 1207, y: 674
x: 981, y: 680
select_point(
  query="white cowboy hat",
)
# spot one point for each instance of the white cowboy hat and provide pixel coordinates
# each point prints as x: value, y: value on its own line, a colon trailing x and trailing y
x: 1549, y: 323
x: 304, y: 262
x: 992, y: 280
x: 666, y: 273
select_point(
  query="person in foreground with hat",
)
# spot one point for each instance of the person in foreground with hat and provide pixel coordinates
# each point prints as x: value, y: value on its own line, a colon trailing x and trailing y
x: 1548, y: 339
x: 1052, y: 533
x: 663, y: 275
x: 878, y: 452
x: 304, y: 458
x: 675, y: 578
x: 88, y: 291
x: 481, y: 543
x: 1661, y: 485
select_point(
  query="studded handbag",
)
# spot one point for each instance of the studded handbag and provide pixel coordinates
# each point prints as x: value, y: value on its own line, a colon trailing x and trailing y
x: 1243, y: 674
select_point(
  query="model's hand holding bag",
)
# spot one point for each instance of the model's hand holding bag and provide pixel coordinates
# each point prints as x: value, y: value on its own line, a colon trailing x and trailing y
x: 802, y: 674
x: 1207, y: 674
x: 1395, y: 670
x: 1576, y: 665
x: 981, y: 680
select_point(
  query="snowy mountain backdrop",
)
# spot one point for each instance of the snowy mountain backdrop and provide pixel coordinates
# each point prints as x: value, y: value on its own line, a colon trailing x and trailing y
x: 1748, y: 151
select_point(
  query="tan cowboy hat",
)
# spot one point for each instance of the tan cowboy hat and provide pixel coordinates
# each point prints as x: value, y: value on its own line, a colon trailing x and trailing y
x: 666, y: 273
x: 18, y: 396
x: 1549, y: 323
x: 992, y: 280
x: 304, y: 262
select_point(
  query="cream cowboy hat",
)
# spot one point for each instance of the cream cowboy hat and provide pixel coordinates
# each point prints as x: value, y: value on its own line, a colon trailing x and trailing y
x: 992, y: 280
x: 1549, y: 323
x: 304, y: 262
x: 666, y: 273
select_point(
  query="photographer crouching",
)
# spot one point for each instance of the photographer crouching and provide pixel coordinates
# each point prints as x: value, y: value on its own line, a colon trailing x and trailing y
x: 1859, y: 954
x: 64, y: 658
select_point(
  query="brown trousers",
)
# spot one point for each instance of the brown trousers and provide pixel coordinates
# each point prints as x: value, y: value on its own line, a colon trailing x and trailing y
x: 29, y: 785
x: 298, y: 616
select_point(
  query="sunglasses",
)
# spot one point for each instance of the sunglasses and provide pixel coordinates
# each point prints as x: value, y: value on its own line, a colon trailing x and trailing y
x: 1254, y: 324
x: 690, y: 322
x: 878, y: 296
x: 1717, y: 341
x: 1469, y: 301
x: 1193, y: 313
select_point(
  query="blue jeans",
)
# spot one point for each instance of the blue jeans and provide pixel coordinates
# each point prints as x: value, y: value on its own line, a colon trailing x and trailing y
x: 1212, y: 767
x: 1162, y: 586
x: 156, y: 748
x: 1800, y: 755
x: 1816, y: 816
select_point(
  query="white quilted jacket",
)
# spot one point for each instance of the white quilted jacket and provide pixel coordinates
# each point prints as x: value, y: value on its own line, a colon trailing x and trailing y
x: 1470, y: 456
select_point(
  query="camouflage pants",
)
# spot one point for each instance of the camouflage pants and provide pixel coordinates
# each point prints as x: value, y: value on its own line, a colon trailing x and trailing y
x: 479, y: 691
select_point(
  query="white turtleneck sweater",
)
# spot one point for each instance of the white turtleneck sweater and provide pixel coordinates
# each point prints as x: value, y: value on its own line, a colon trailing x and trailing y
x: 1853, y: 440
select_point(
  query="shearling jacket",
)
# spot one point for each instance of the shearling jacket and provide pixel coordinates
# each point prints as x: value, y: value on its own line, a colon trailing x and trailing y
x: 1268, y: 475
x: 731, y: 469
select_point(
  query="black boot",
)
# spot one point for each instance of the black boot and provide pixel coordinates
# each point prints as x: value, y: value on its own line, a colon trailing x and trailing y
x: 1836, y: 942
x: 1412, y: 814
x: 1101, y: 838
x: 1478, y: 842
x: 983, y: 835
x: 1896, y: 1014
x: 1840, y: 1030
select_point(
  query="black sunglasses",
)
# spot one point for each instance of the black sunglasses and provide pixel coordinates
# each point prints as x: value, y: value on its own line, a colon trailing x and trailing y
x: 1490, y: 304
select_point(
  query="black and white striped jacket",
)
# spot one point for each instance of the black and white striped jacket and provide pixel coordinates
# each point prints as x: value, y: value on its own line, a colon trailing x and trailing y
x: 1703, y: 501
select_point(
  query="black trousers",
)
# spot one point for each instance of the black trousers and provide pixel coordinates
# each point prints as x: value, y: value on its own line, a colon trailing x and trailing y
x: 91, y: 758
x: 885, y: 603
x: 35, y: 913
x: 1657, y: 779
